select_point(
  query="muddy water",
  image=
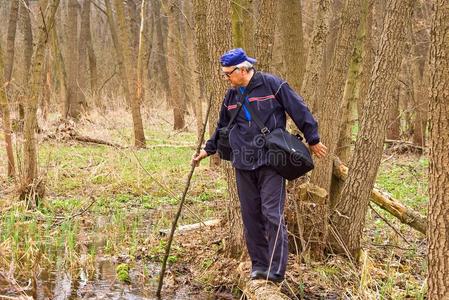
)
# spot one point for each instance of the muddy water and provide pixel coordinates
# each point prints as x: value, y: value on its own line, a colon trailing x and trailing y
x: 99, y: 282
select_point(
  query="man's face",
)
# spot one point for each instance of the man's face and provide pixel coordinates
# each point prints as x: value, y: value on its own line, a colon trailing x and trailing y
x: 233, y: 75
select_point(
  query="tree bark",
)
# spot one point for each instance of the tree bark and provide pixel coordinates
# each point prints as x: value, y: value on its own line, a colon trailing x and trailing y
x: 25, y: 24
x: 329, y: 113
x: 83, y: 68
x: 46, y: 22
x: 438, y: 221
x: 292, y: 42
x: 265, y: 34
x: 61, y: 70
x: 348, y: 217
x: 11, y: 39
x: 160, y: 49
x: 6, y: 120
x: 316, y: 54
x: 177, y: 101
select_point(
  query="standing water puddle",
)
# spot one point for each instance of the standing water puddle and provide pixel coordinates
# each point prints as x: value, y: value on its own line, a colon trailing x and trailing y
x: 102, y: 282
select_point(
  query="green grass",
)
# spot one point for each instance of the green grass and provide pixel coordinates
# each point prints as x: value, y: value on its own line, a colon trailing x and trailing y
x: 132, y: 189
x: 406, y: 180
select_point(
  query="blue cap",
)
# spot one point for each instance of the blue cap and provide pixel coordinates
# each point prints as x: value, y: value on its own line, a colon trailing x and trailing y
x: 234, y: 57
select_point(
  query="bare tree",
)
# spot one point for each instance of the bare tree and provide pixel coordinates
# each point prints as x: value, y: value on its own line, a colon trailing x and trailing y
x: 11, y: 39
x: 177, y: 101
x: 348, y: 218
x: 4, y: 109
x: 31, y: 187
x: 438, y: 221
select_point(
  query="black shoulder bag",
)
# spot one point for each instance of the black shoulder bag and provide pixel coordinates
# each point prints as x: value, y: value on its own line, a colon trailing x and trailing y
x: 286, y: 153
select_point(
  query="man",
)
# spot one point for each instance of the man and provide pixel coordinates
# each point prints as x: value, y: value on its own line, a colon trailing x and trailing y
x: 261, y: 190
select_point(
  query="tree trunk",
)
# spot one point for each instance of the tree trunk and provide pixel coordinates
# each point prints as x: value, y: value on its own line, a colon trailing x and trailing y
x: 219, y: 41
x: 438, y: 221
x: 265, y: 34
x: 201, y: 51
x: 61, y: 70
x: 74, y: 100
x: 6, y: 120
x: 329, y: 114
x: 394, y: 120
x: 292, y: 42
x: 11, y: 39
x: 419, y: 43
x: 176, y: 100
x: 25, y: 25
x: 193, y: 66
x: 143, y: 45
x: 348, y: 218
x: 83, y: 68
x: 32, y: 189
x: 316, y: 54
x: 350, y: 100
x: 160, y: 49
x: 128, y: 70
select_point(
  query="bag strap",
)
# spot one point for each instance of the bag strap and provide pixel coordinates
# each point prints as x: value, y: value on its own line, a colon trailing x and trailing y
x: 240, y: 103
x: 263, y: 129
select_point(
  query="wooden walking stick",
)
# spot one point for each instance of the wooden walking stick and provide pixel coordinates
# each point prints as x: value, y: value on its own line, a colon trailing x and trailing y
x: 178, y: 214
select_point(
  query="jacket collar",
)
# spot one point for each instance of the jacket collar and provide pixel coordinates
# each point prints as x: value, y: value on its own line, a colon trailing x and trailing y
x: 256, y: 81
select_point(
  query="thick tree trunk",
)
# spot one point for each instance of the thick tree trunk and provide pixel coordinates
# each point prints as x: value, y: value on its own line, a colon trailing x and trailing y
x: 316, y: 54
x: 438, y: 221
x: 219, y: 41
x: 350, y: 100
x: 46, y: 22
x: 265, y: 34
x: 292, y: 42
x: 348, y: 218
x: 329, y: 114
x: 6, y: 120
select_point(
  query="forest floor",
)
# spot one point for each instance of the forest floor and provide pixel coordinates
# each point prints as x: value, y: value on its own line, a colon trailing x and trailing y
x: 96, y: 233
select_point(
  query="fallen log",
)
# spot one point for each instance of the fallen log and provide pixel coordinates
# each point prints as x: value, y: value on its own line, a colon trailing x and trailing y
x: 191, y: 227
x: 405, y: 214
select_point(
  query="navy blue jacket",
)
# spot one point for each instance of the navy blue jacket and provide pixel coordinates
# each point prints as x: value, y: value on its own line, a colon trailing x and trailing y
x: 272, y: 98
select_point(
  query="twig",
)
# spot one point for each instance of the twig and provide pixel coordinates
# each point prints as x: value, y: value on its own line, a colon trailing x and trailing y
x: 178, y: 214
x: 76, y: 214
x: 389, y: 224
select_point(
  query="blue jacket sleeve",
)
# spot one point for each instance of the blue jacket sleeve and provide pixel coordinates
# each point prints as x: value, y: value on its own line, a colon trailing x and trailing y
x: 297, y: 109
x: 223, y: 120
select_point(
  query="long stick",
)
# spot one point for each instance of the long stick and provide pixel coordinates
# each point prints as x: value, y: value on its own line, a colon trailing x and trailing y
x: 178, y: 214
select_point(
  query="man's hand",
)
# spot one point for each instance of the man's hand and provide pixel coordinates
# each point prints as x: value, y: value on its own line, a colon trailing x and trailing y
x: 197, y: 158
x: 319, y: 150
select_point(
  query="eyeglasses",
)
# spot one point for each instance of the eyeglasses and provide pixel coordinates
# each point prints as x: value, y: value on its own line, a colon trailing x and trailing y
x: 228, y: 74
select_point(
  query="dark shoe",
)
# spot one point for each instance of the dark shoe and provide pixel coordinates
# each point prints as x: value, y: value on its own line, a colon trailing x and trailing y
x: 276, y: 278
x: 257, y: 274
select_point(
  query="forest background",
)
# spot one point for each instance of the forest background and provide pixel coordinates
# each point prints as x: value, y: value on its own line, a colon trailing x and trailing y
x: 103, y: 102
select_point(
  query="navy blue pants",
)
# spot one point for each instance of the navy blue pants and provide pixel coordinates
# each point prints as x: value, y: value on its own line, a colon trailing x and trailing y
x: 262, y: 199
